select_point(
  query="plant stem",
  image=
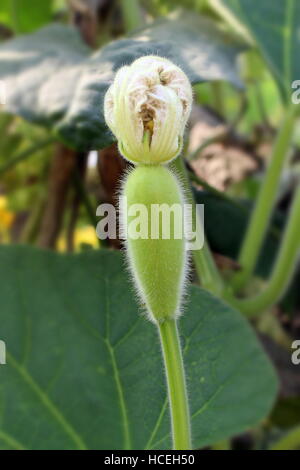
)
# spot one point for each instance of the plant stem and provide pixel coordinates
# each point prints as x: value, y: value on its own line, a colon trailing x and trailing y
x: 175, y: 376
x: 80, y: 188
x: 242, y: 208
x: 218, y: 97
x: 14, y: 16
x: 26, y: 154
x: 131, y: 14
x: 283, y: 270
x: 262, y: 212
x: 31, y: 227
x: 205, y: 265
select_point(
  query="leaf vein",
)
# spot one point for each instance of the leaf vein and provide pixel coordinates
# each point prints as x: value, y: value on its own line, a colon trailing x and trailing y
x: 45, y: 400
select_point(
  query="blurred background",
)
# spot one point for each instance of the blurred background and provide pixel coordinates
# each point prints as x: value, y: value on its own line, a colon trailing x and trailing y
x: 49, y: 188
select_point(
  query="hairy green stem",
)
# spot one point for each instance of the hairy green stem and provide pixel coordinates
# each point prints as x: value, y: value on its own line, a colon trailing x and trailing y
x: 262, y: 212
x: 283, y: 270
x: 205, y: 265
x: 175, y: 376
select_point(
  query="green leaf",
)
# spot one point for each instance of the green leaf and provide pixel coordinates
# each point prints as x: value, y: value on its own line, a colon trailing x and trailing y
x: 24, y: 16
x: 275, y: 27
x: 84, y: 368
x: 233, y: 218
x: 53, y: 79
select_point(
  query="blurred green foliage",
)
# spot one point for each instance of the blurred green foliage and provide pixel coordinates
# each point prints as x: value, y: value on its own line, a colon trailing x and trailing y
x: 252, y: 56
x: 24, y: 16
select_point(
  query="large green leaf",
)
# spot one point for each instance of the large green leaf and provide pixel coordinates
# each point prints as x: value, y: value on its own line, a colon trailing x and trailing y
x: 53, y: 79
x: 275, y: 27
x: 24, y: 16
x: 84, y: 367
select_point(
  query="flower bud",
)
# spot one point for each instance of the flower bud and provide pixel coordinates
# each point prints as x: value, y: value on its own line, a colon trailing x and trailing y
x: 147, y: 108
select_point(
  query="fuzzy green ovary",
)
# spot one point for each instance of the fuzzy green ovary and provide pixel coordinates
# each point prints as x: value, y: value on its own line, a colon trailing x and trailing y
x: 157, y: 264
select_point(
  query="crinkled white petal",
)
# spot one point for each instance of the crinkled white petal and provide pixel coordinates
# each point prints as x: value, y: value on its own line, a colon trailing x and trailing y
x: 147, y: 108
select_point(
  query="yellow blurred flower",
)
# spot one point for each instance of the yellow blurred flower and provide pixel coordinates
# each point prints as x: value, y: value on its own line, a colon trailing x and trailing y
x: 82, y: 236
x: 6, y: 217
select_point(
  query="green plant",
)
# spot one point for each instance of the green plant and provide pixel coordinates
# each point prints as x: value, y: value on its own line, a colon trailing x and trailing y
x: 100, y: 355
x: 147, y: 108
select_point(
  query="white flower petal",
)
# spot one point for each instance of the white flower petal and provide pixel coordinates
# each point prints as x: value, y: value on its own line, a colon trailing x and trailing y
x: 152, y: 97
